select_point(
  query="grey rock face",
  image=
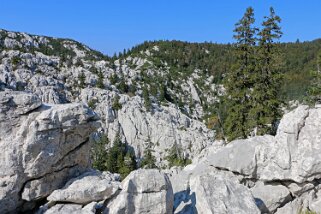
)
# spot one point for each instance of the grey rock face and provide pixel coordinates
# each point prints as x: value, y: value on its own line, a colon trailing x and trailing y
x: 282, y: 172
x: 143, y: 191
x: 160, y: 129
x: 43, y: 146
x: 90, y: 186
x: 217, y: 194
x: 294, y: 154
x: 270, y: 197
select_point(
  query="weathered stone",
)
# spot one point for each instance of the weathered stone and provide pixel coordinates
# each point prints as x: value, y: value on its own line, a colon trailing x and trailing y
x: 216, y: 194
x: 143, y: 191
x: 90, y: 186
x: 270, y: 197
x: 43, y: 146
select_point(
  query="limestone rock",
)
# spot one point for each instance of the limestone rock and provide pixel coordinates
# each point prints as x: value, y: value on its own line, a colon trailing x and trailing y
x: 143, y: 191
x: 160, y: 129
x: 294, y: 154
x: 270, y: 197
x: 216, y: 194
x: 43, y: 146
x: 90, y: 186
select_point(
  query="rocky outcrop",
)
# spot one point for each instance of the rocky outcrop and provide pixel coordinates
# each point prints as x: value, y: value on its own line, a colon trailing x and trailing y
x: 215, y: 193
x: 160, y: 129
x: 92, y: 186
x: 43, y: 147
x: 282, y: 172
x: 270, y: 197
x: 293, y: 154
x: 143, y: 191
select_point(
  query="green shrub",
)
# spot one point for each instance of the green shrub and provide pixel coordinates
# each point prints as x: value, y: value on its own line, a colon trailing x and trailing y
x: 116, y: 104
x: 92, y: 103
x: 149, y: 161
x: 175, y: 158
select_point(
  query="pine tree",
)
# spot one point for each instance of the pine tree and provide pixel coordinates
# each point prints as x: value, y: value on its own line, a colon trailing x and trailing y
x: 314, y: 91
x: 100, y: 81
x: 99, y: 153
x: 238, y: 81
x: 115, y: 155
x: 120, y: 159
x: 265, y: 99
x: 127, y: 164
x: 149, y: 161
x: 147, y: 101
x: 81, y: 79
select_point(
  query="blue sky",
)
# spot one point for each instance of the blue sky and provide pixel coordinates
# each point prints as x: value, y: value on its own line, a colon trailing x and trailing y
x: 110, y: 26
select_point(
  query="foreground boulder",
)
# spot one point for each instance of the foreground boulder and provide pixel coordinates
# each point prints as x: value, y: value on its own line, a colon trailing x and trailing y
x: 293, y: 154
x: 143, y: 191
x: 90, y: 186
x: 43, y: 147
x: 282, y: 171
x: 270, y: 197
x: 217, y: 194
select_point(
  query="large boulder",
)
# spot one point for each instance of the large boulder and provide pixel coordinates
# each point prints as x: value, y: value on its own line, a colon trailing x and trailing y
x: 43, y: 146
x: 216, y: 193
x: 269, y: 197
x: 143, y: 191
x: 160, y: 129
x: 90, y: 186
x: 293, y: 154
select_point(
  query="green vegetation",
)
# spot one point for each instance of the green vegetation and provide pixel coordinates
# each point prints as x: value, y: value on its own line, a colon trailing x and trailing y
x: 265, y: 99
x: 307, y: 212
x: 239, y: 80
x: 252, y: 85
x: 15, y: 60
x: 81, y: 80
x: 298, y: 59
x: 116, y: 104
x: 99, y: 153
x: 147, y: 101
x: 117, y: 159
x: 175, y: 157
x: 149, y: 161
x: 100, y: 81
x: 314, y: 91
x: 92, y: 103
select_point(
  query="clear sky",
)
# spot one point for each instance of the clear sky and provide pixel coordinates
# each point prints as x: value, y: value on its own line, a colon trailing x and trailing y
x: 110, y: 26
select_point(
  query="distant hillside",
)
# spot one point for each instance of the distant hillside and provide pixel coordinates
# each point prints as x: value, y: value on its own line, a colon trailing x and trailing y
x: 215, y: 59
x: 188, y: 75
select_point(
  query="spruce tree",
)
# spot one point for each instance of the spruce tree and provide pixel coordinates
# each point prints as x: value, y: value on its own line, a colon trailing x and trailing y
x: 81, y: 80
x: 314, y: 90
x: 100, y: 81
x: 99, y: 153
x: 149, y: 161
x: 265, y: 99
x: 238, y: 82
x: 147, y: 101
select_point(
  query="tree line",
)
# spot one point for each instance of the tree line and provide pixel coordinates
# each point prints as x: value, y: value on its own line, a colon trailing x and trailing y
x: 252, y: 99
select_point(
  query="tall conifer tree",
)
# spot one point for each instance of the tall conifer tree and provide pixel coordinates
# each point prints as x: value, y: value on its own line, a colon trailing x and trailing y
x: 314, y: 90
x: 265, y: 99
x: 238, y: 82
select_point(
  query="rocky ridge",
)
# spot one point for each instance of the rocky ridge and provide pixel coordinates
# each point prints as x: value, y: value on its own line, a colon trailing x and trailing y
x: 64, y: 71
x: 263, y: 174
x: 282, y: 172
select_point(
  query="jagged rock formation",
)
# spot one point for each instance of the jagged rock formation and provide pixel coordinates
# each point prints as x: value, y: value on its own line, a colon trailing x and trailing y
x: 43, y: 146
x: 64, y: 71
x: 89, y: 187
x: 159, y: 129
x: 217, y: 194
x: 143, y: 191
x: 282, y: 172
